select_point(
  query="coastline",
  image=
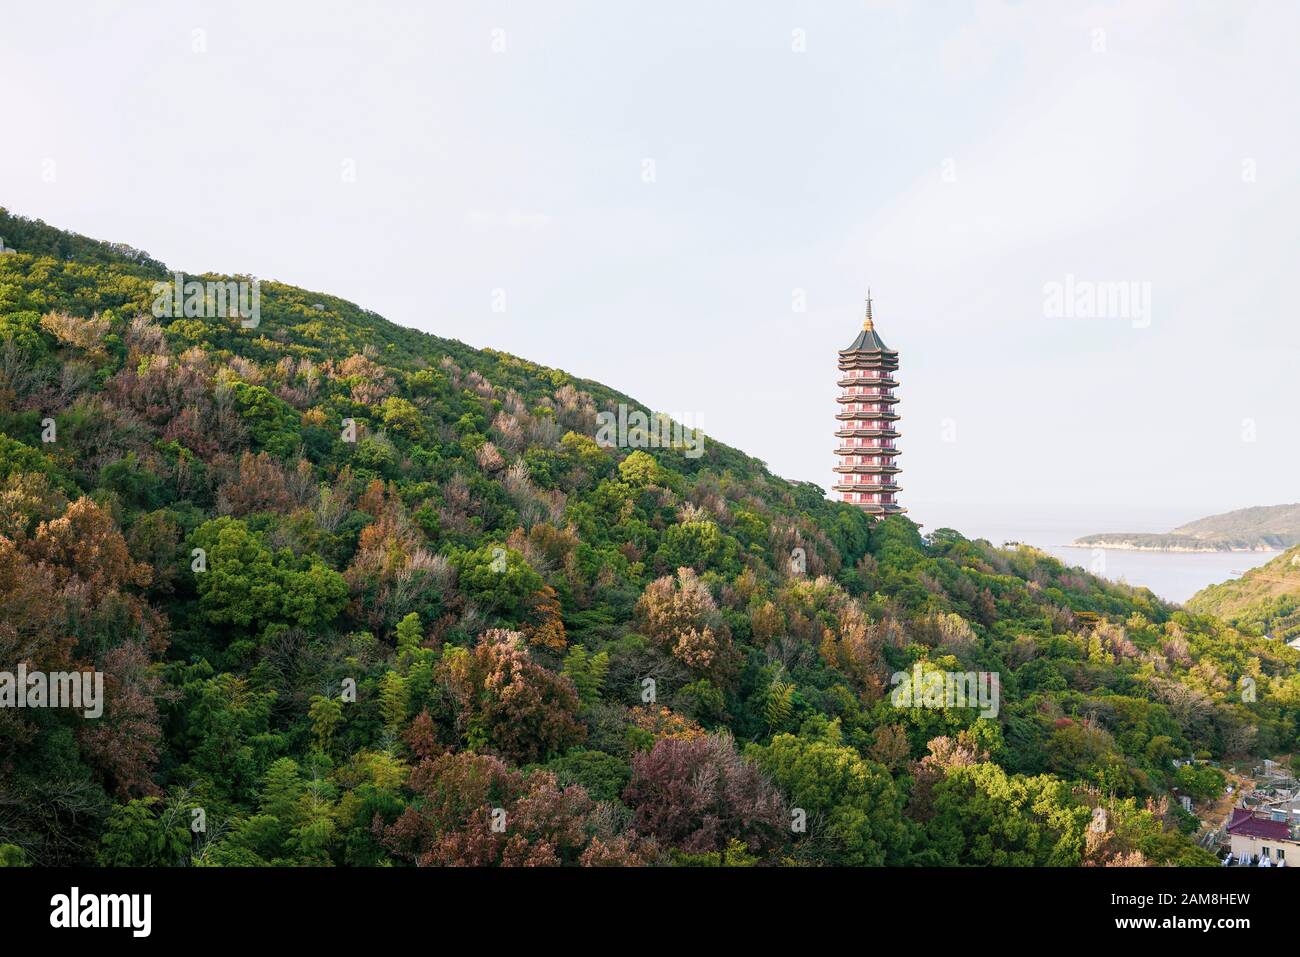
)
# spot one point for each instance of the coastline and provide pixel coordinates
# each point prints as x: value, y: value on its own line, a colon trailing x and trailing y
x: 1172, y: 576
x: 1122, y: 546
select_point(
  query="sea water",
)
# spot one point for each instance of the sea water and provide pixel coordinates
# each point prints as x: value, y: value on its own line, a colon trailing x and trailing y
x: 1174, y: 576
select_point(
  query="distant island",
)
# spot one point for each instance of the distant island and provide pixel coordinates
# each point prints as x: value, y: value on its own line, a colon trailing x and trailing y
x: 1263, y: 528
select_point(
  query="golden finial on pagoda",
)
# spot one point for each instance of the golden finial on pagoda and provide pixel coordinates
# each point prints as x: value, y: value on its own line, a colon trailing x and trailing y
x: 867, y: 324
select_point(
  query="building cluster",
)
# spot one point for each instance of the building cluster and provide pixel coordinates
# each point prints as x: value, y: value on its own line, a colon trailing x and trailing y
x: 1263, y: 830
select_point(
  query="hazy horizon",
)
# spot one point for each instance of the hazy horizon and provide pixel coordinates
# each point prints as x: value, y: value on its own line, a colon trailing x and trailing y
x: 693, y: 218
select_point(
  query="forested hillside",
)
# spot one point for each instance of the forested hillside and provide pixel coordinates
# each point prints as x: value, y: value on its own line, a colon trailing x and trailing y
x: 1264, y: 600
x: 365, y: 596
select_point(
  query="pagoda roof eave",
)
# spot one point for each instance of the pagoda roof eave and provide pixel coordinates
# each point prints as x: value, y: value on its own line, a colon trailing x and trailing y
x: 868, y: 341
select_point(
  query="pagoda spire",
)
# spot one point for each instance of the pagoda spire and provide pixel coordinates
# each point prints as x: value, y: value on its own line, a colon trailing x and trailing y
x: 867, y: 449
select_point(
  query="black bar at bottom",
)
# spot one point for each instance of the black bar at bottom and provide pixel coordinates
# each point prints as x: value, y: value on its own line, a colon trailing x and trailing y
x: 333, y: 906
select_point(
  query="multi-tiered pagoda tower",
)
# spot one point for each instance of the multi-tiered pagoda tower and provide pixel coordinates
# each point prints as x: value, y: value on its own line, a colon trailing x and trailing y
x: 867, y: 475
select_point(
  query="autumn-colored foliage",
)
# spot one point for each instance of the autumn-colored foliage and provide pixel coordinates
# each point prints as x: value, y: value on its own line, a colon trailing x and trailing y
x: 370, y: 597
x: 698, y: 794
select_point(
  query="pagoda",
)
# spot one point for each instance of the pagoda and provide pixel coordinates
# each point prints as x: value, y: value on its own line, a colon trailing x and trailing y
x: 867, y: 475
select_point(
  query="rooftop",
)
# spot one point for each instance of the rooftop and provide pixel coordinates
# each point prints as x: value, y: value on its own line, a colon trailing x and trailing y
x: 1245, y: 823
x: 868, y: 340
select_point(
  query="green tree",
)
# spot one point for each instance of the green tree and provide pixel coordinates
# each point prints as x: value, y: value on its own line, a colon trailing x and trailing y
x: 699, y: 545
x: 1201, y: 781
x: 326, y: 715
x: 410, y: 634
x: 851, y: 806
x: 985, y: 816
x: 11, y: 855
x: 393, y: 700
x: 587, y: 672
x: 603, y: 776
x: 780, y: 705
x: 245, y: 584
x: 402, y: 417
x: 145, y: 832
x: 499, y: 579
x: 640, y: 469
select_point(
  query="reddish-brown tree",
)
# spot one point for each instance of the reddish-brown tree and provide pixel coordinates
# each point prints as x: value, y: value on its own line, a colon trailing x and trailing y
x: 697, y: 794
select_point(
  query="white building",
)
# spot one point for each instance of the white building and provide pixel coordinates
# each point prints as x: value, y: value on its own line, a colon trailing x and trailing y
x: 1257, y: 838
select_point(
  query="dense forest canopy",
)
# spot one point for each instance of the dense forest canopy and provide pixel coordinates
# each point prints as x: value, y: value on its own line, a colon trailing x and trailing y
x: 365, y: 596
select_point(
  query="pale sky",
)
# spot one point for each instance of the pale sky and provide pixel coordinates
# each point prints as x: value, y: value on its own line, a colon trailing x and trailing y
x: 956, y: 157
